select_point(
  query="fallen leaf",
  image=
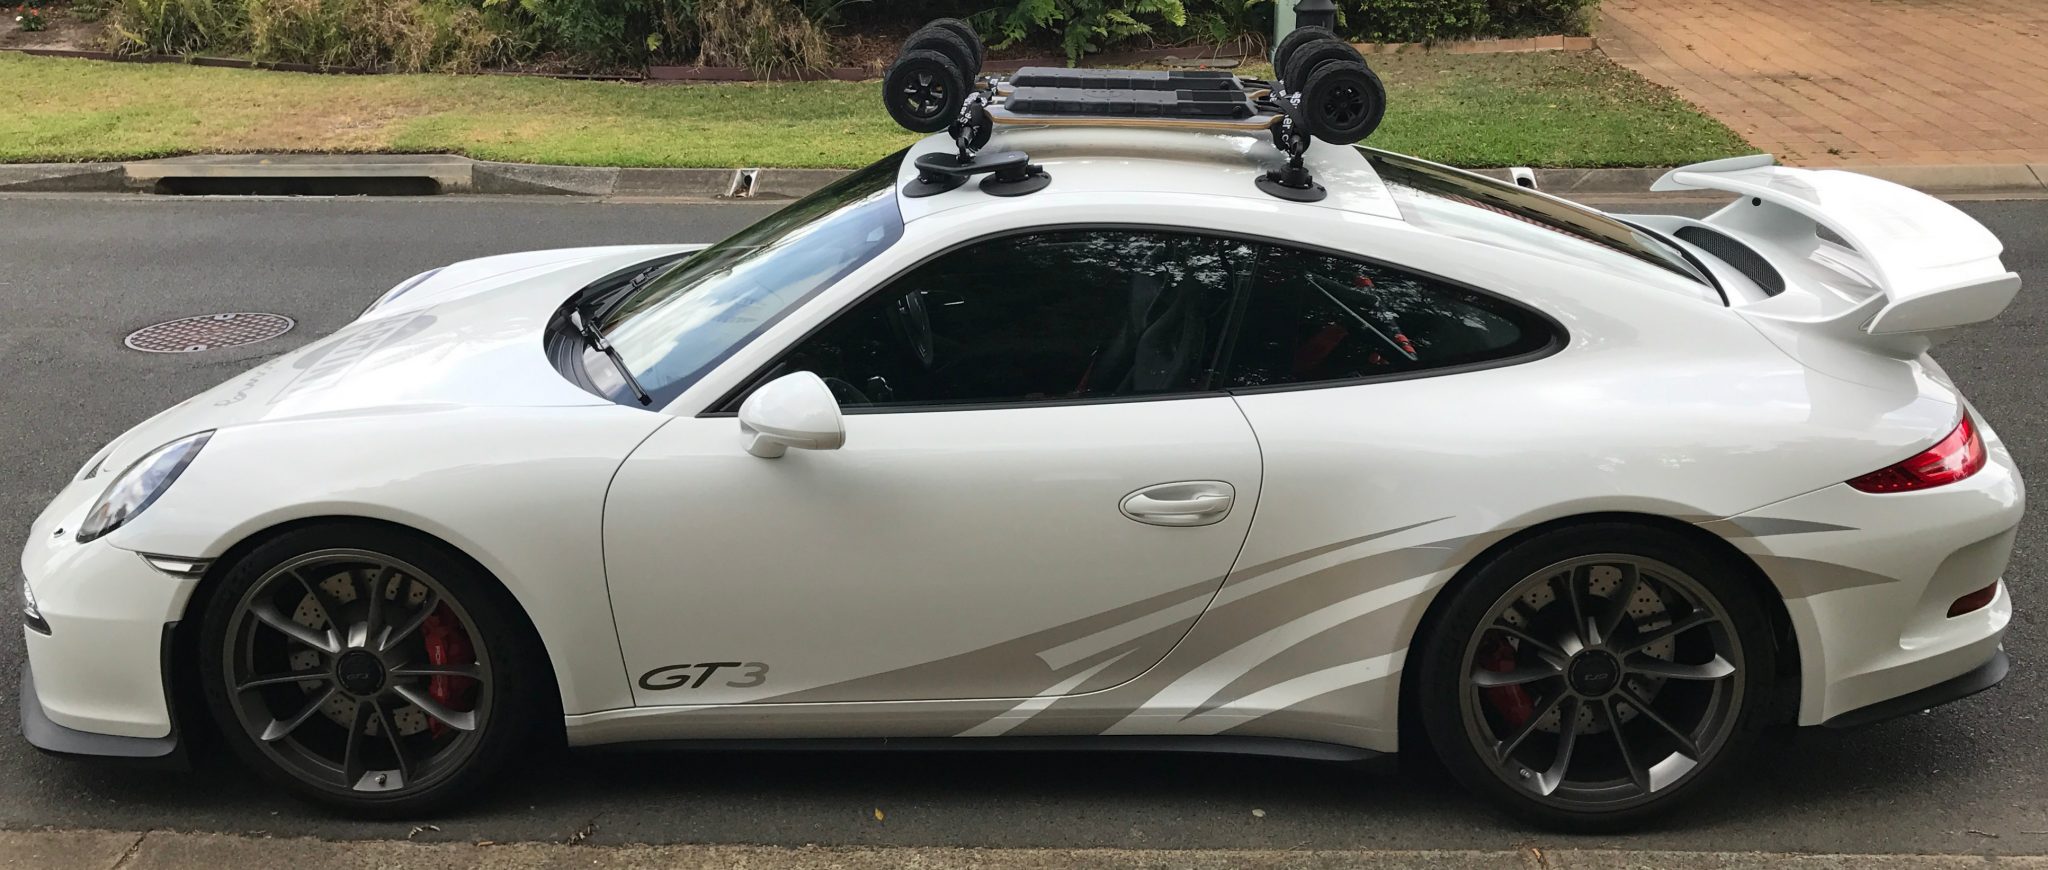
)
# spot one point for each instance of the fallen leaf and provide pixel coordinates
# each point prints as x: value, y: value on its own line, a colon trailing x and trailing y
x: 421, y: 829
x: 878, y: 814
x: 1258, y: 813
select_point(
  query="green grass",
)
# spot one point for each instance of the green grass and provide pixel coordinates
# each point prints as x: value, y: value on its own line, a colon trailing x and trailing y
x: 1549, y: 109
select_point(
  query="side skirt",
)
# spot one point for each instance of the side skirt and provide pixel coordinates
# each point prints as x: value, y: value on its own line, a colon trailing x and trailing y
x: 1277, y: 747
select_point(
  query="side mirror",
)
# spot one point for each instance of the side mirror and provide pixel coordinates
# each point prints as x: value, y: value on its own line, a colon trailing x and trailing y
x: 795, y: 410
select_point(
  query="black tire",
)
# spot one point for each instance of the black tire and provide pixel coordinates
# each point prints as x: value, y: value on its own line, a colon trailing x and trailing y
x: 1616, y: 787
x: 966, y: 33
x: 505, y: 699
x: 1283, y: 51
x: 923, y: 90
x: 946, y: 41
x: 1312, y: 54
x: 1343, y: 102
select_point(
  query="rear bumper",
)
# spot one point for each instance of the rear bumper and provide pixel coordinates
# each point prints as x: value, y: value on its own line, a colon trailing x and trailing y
x: 1982, y: 677
x: 1869, y: 582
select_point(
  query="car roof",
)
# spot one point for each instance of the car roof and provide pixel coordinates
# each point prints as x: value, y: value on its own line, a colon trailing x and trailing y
x: 1112, y: 160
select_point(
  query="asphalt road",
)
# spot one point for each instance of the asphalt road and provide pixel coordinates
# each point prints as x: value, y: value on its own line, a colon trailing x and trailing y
x: 76, y: 274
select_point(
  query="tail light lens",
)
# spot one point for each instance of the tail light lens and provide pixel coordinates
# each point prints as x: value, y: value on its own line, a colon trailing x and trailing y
x: 1959, y: 455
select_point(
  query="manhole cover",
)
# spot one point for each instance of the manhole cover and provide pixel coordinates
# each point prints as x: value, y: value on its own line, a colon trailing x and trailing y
x: 208, y: 332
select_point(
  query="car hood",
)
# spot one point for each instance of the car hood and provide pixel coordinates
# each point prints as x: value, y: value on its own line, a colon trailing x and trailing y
x: 469, y: 335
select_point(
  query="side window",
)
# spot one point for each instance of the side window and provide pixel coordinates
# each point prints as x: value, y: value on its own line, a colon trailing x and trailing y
x: 1312, y: 317
x: 1062, y: 315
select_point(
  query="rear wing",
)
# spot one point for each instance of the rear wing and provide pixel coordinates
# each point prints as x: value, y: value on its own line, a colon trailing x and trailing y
x: 1931, y: 266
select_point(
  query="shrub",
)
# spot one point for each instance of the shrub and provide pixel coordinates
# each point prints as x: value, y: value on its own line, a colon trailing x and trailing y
x: 1083, y: 25
x: 616, y: 32
x: 1439, y: 20
x: 177, y: 26
x: 408, y: 35
x: 1244, y: 24
x: 765, y: 36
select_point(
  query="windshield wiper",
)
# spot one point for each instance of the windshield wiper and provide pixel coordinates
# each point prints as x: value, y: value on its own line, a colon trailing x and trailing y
x: 594, y: 339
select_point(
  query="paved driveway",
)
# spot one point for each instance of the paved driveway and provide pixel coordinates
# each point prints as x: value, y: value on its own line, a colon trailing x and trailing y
x: 1910, y: 82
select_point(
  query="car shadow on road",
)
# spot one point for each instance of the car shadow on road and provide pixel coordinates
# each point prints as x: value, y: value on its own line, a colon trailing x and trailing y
x: 1795, y: 780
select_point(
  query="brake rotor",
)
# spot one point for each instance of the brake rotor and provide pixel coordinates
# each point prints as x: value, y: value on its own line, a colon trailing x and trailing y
x: 340, y: 708
x: 1646, y: 611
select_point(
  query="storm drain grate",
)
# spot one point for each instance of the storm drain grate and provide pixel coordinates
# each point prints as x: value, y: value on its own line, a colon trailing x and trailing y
x: 208, y: 332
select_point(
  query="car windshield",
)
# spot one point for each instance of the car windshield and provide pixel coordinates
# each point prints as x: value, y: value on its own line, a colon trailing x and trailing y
x: 686, y: 321
x: 1532, y: 208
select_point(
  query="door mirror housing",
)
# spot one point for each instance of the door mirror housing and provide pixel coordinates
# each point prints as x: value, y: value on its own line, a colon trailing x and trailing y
x: 795, y: 410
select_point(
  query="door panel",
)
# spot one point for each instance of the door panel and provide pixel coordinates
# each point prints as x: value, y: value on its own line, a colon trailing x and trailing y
x: 940, y: 554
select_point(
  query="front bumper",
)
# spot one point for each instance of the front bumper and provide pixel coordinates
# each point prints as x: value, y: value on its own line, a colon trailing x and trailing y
x: 56, y: 739
x: 97, y: 661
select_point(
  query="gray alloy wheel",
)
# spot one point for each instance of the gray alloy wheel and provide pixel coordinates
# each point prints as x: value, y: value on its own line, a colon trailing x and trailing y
x: 1600, y: 681
x: 357, y: 674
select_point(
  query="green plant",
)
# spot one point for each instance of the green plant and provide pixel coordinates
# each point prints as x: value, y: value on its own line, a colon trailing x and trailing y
x: 614, y: 32
x: 766, y: 36
x: 1242, y: 24
x: 177, y: 26
x: 1084, y: 25
x: 30, y: 18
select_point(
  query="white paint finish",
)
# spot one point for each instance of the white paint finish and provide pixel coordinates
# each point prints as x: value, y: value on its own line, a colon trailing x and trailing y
x: 1922, y: 264
x: 928, y: 535
x: 1030, y: 707
x: 934, y: 535
x: 1891, y: 634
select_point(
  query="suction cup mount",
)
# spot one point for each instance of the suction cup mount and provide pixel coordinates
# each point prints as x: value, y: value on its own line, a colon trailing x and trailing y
x: 1010, y: 173
x: 1291, y: 182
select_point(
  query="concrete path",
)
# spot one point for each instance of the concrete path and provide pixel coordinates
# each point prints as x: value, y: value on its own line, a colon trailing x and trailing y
x: 1833, y: 82
x: 163, y: 850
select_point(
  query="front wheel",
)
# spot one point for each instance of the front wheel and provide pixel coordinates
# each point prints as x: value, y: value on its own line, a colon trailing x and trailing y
x: 366, y: 669
x: 1593, y: 677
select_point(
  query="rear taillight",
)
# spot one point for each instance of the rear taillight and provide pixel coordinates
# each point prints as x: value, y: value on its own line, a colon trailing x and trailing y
x: 1959, y: 455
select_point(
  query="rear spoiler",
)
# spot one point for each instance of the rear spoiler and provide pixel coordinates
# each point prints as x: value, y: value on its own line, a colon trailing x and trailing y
x: 1931, y: 266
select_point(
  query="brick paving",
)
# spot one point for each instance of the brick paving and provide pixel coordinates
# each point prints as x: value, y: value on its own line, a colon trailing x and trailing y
x: 1830, y: 82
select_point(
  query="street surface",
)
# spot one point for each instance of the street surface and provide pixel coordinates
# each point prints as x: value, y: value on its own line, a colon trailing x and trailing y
x: 79, y: 273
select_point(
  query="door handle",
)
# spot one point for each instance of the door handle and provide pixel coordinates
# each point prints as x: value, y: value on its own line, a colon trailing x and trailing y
x: 1185, y: 503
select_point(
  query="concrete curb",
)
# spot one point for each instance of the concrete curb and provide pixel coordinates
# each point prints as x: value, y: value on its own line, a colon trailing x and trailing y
x: 452, y: 174
x: 162, y: 850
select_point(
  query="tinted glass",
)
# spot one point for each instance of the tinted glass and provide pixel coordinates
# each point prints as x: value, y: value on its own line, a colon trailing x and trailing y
x: 1064, y: 315
x: 692, y: 317
x: 1312, y: 317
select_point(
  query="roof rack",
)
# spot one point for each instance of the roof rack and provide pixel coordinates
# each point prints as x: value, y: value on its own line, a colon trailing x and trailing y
x: 1325, y: 91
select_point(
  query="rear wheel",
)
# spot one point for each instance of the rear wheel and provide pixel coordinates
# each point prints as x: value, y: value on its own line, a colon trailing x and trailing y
x: 1596, y: 676
x: 1343, y: 102
x: 1310, y: 55
x: 366, y: 669
x: 968, y: 40
x: 924, y: 90
x: 1283, y: 51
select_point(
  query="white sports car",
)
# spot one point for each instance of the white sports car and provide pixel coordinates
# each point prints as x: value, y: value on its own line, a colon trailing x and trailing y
x: 1150, y: 457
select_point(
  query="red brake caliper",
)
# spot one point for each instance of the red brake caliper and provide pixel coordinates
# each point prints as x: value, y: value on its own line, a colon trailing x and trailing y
x: 1511, y: 702
x: 447, y: 643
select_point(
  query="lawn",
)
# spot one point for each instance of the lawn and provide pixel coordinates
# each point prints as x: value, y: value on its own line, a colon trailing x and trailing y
x: 1546, y: 109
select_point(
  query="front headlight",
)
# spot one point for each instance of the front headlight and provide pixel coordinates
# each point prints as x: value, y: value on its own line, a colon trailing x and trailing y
x: 136, y: 488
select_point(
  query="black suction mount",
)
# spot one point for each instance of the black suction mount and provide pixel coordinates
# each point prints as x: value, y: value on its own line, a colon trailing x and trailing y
x: 1291, y: 182
x: 1010, y: 173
